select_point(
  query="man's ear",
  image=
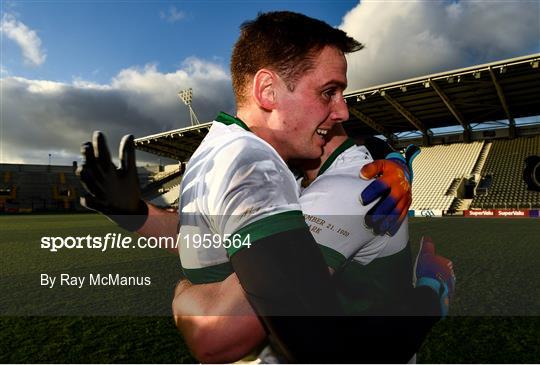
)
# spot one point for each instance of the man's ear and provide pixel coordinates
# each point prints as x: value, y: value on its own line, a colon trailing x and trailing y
x: 264, y: 92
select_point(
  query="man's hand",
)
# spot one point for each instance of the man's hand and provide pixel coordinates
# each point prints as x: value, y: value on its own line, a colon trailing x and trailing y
x: 436, y: 272
x: 112, y: 191
x: 393, y: 178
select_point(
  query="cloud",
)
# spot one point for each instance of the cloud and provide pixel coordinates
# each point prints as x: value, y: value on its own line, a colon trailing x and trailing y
x: 42, y: 117
x: 405, y: 39
x: 26, y: 38
x: 173, y: 15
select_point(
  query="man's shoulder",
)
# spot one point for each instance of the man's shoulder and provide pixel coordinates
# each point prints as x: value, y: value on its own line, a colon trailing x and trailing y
x: 231, y: 141
x: 335, y: 193
x: 347, y: 162
x: 354, y: 158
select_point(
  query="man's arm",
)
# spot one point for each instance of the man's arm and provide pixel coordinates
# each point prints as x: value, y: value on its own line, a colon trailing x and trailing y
x: 423, y: 305
x: 161, y: 223
x: 216, y: 320
x: 282, y: 272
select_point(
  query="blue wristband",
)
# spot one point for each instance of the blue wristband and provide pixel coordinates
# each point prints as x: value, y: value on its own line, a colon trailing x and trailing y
x: 440, y: 288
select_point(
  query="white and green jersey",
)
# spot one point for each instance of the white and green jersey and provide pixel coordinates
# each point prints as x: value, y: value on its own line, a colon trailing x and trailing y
x: 236, y: 190
x: 373, y: 270
x: 237, y: 185
x: 335, y: 215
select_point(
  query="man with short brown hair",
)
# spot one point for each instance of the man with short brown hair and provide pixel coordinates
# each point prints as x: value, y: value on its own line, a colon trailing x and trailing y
x: 239, y: 207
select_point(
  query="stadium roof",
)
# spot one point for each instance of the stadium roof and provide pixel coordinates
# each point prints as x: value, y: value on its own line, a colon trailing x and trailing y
x: 178, y: 144
x: 502, y: 90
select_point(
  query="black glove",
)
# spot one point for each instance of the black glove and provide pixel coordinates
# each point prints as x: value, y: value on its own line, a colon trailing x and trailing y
x: 112, y: 191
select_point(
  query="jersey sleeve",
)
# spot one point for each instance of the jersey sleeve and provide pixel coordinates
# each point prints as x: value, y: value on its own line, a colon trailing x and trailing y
x: 253, y: 194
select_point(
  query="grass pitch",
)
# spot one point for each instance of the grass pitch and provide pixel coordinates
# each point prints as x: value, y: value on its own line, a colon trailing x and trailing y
x: 494, y: 317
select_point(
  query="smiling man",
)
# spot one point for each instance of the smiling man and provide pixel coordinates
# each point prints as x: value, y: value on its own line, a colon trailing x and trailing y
x: 373, y: 275
x: 289, y: 74
x: 239, y: 206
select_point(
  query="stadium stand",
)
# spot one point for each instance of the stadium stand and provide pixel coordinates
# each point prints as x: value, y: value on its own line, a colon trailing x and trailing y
x: 470, y: 167
x: 8, y: 191
x: 455, y: 169
x: 502, y: 185
x: 169, y: 198
x: 439, y: 171
x: 163, y: 189
x: 35, y: 188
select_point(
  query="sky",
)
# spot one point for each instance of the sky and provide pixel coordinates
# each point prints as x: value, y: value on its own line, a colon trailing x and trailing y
x: 68, y: 68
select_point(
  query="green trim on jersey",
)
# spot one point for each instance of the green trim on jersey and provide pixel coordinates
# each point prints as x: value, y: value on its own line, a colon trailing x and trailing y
x: 333, y: 258
x: 229, y: 119
x: 338, y: 151
x: 209, y: 274
x: 268, y: 226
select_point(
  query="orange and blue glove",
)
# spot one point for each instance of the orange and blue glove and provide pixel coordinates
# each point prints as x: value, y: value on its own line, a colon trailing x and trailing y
x: 393, y: 179
x: 435, y: 272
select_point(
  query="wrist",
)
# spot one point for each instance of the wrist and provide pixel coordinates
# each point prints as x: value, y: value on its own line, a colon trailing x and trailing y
x: 396, y: 156
x: 440, y: 288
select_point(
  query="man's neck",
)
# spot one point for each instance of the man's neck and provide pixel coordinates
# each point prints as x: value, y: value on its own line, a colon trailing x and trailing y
x: 311, y: 168
x: 258, y: 121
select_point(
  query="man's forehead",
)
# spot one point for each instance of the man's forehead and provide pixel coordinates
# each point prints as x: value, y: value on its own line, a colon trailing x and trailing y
x: 328, y: 78
x: 330, y: 67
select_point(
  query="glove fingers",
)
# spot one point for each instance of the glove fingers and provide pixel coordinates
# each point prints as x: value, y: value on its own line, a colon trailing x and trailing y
x: 90, y: 162
x: 101, y: 151
x: 387, y: 223
x: 90, y: 182
x: 447, y: 271
x: 426, y: 246
x: 87, y: 152
x: 410, y: 154
x: 373, y: 191
x: 127, y: 154
x: 372, y: 169
x: 383, y: 209
x: 400, y: 207
x: 93, y: 203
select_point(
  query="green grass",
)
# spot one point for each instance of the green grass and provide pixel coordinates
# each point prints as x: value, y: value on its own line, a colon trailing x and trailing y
x: 495, y: 313
x: 494, y: 317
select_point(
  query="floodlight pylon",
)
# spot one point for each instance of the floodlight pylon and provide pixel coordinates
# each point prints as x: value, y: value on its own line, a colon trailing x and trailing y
x: 187, y: 97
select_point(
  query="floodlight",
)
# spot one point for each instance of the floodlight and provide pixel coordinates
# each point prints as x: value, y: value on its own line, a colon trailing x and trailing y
x: 187, y: 97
